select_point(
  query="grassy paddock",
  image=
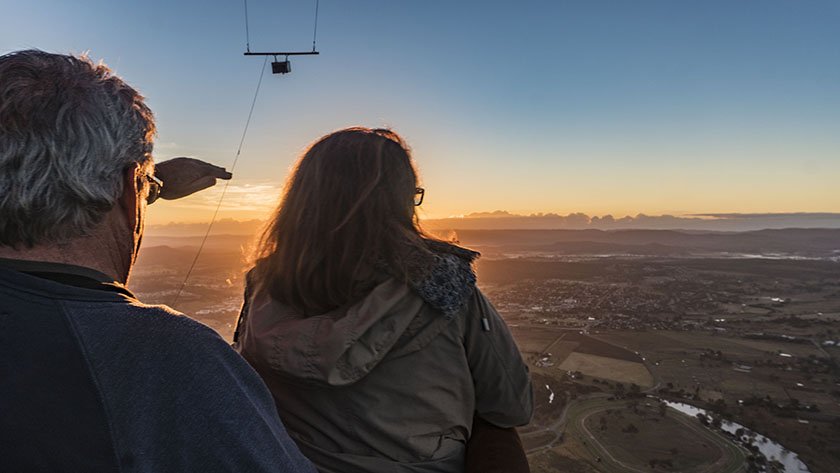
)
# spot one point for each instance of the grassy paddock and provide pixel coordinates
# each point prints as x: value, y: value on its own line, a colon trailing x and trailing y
x: 608, y: 368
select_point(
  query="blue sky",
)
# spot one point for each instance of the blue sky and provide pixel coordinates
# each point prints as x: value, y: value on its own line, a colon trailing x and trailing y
x: 602, y: 107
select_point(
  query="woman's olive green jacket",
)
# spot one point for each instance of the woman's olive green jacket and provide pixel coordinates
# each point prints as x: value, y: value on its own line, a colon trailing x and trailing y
x: 391, y: 382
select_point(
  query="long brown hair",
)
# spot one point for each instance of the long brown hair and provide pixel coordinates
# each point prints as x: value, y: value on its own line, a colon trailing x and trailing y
x: 348, y: 206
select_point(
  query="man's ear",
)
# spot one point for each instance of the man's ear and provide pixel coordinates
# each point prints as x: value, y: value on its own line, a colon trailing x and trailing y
x: 130, y: 201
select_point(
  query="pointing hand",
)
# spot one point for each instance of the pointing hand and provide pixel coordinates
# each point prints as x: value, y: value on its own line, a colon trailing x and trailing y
x: 184, y: 176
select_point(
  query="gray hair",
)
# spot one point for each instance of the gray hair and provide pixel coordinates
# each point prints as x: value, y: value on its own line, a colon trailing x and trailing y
x: 69, y: 129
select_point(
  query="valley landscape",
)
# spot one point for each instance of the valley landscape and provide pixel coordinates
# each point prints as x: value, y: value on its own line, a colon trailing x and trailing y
x: 650, y: 350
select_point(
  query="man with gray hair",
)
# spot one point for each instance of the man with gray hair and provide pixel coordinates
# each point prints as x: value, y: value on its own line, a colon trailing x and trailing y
x: 91, y: 379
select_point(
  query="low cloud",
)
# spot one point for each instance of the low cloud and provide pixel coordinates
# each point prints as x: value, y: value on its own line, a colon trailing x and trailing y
x: 225, y: 226
x: 237, y: 198
x: 793, y: 215
x: 504, y: 220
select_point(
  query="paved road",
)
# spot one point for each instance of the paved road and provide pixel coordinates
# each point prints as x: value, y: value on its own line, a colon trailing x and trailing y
x: 550, y: 345
x: 559, y: 426
x: 556, y: 428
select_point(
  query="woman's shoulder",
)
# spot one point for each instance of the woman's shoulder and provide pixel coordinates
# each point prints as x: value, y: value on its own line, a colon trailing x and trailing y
x: 446, y: 248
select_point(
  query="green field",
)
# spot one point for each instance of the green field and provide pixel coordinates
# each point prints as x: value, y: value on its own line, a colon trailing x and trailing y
x: 608, y: 368
x: 667, y: 437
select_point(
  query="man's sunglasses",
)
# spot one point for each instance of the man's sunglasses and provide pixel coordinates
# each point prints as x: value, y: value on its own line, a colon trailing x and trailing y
x: 155, y: 185
x: 419, y: 193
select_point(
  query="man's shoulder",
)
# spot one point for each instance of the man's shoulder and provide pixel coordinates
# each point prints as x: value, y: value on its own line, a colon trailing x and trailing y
x: 136, y: 314
x: 169, y: 321
x: 202, y: 396
x: 161, y: 352
x: 144, y: 331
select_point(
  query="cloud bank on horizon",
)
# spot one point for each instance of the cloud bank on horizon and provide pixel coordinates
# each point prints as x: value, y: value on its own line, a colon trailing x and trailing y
x: 503, y: 220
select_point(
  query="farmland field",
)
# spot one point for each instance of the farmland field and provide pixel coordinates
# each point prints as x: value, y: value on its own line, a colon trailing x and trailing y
x: 608, y: 368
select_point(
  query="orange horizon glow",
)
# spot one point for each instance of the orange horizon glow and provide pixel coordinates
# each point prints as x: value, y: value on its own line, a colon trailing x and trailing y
x: 257, y: 201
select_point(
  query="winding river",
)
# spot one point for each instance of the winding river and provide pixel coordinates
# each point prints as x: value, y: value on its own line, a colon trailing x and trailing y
x: 769, y: 448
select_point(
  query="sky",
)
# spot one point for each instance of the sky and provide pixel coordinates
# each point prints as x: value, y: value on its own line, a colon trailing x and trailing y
x: 602, y: 107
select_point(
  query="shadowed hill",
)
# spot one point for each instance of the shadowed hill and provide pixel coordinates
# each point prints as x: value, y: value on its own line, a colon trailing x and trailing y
x: 804, y: 242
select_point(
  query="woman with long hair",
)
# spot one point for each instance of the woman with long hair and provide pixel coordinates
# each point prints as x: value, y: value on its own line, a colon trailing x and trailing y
x: 371, y: 335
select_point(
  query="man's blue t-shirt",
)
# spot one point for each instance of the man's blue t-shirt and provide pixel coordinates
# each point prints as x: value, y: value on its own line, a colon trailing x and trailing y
x: 93, y: 380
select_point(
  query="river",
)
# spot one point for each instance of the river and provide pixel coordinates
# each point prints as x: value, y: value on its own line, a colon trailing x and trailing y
x: 770, y: 449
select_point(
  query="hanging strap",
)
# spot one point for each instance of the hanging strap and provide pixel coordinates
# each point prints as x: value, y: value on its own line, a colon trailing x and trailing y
x: 225, y: 188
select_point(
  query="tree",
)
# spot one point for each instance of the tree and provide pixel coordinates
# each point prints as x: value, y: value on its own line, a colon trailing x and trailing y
x: 619, y: 389
x: 630, y: 429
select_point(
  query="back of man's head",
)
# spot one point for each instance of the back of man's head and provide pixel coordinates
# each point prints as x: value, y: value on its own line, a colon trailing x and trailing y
x: 68, y: 131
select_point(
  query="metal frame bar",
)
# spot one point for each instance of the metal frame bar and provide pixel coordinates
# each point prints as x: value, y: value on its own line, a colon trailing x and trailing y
x: 308, y: 53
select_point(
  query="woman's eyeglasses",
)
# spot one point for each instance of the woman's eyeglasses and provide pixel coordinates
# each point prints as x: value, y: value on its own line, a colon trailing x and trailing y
x: 419, y: 193
x: 155, y: 185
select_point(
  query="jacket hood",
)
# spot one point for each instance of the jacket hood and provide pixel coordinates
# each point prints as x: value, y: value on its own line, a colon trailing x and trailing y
x: 341, y: 346
x: 338, y: 347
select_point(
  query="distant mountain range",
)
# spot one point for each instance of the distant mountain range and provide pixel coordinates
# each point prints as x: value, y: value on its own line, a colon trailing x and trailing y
x: 820, y: 243
x: 809, y: 243
x: 502, y: 220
